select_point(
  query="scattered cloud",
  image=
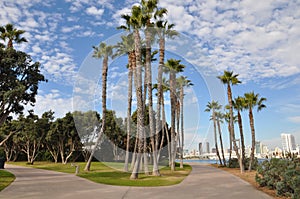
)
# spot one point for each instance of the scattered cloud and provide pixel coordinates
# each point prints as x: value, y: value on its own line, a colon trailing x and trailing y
x: 95, y: 11
x: 55, y: 100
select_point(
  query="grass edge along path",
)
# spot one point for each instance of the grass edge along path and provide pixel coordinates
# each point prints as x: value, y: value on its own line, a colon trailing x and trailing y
x: 6, y: 178
x: 101, y: 173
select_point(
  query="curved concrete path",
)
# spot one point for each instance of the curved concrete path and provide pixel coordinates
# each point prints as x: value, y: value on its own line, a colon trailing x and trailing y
x: 203, y: 182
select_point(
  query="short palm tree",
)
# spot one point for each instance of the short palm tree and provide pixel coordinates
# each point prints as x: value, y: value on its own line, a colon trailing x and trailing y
x: 213, y: 107
x: 219, y: 119
x: 253, y: 100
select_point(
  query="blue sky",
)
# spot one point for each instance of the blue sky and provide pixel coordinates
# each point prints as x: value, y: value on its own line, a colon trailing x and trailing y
x: 260, y: 41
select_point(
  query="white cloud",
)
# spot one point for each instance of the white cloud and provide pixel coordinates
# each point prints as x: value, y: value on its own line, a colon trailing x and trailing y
x: 55, y: 101
x: 70, y: 29
x: 95, y: 11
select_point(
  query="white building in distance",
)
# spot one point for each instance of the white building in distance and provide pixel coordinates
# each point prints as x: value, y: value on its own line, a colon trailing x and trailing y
x: 288, y: 143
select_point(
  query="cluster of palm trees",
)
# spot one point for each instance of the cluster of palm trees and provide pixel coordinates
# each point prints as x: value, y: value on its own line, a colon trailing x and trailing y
x: 145, y: 25
x: 248, y: 102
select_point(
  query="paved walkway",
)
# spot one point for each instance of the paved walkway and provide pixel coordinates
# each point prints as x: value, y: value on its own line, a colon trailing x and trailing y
x: 204, y: 182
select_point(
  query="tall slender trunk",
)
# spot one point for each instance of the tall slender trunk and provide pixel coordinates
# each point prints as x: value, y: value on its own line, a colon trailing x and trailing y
x: 251, y: 119
x: 165, y: 129
x: 159, y: 123
x: 215, y: 136
x: 134, y: 151
x: 150, y: 102
x: 232, y: 134
x: 128, y: 116
x: 230, y: 145
x: 221, y: 142
x: 242, y: 141
x: 173, y: 112
x: 103, y: 127
x: 181, y: 125
x: 139, y: 96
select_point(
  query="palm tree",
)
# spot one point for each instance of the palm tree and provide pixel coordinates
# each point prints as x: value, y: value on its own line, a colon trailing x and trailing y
x: 12, y: 34
x: 182, y: 82
x: 136, y: 21
x: 173, y: 66
x: 212, y: 107
x: 127, y: 47
x: 239, y: 105
x: 165, y: 87
x: 252, y: 100
x: 219, y: 119
x: 228, y: 78
x: 102, y: 51
x: 163, y: 30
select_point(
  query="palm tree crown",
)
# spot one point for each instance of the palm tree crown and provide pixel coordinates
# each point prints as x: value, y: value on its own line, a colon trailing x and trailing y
x: 12, y: 34
x: 102, y: 50
x: 252, y: 100
x: 229, y: 78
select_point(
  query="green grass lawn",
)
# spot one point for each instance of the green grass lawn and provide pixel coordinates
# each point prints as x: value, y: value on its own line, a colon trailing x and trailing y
x: 5, y: 179
x: 101, y: 173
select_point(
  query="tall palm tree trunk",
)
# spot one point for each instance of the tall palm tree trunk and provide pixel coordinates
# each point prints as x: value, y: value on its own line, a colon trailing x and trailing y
x: 242, y: 141
x: 150, y: 103
x: 159, y: 123
x: 221, y: 142
x: 130, y: 74
x: 173, y: 118
x: 215, y: 136
x: 230, y: 145
x: 139, y: 96
x: 103, y: 127
x: 232, y: 134
x: 251, y: 119
x: 182, y: 127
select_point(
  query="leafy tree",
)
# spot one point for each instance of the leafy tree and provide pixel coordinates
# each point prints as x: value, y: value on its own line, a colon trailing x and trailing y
x: 10, y: 144
x: 19, y: 77
x: 31, y: 135
x: 64, y: 138
x: 88, y: 126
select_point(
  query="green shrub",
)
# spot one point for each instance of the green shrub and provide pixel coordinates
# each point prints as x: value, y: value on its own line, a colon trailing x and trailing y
x: 282, y: 175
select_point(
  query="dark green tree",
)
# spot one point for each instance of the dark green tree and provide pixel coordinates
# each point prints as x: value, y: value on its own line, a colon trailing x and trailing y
x: 19, y: 80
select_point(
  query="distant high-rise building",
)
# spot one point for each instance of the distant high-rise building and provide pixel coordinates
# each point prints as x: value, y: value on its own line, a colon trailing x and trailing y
x: 203, y: 148
x: 288, y: 142
x: 207, y: 147
x: 200, y: 148
x: 257, y: 147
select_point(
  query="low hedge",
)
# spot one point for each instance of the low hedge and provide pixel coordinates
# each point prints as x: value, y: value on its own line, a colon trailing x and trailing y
x: 282, y: 175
